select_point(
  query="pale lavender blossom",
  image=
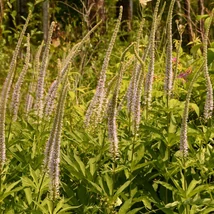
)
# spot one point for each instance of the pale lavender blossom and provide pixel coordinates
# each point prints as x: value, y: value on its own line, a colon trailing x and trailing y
x: 53, y: 165
x: 94, y: 113
x: 29, y: 98
x: 17, y: 89
x: 183, y: 138
x: 29, y: 105
x: 183, y: 135
x: 5, y: 93
x: 208, y: 108
x: 112, y: 127
x: 150, y: 75
x: 50, y: 98
x: 39, y: 105
x: 52, y: 149
x: 169, y: 72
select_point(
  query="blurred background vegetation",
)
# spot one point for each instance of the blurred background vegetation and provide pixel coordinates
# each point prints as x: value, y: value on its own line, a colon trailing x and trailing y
x: 74, y: 17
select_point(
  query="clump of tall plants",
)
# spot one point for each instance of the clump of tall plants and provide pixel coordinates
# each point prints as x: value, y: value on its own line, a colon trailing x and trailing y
x: 142, y: 144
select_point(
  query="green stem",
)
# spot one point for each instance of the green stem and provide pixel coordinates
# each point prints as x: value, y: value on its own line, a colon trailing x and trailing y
x: 209, y: 122
x: 186, y: 208
x: 176, y: 64
x: 113, y: 178
x: 1, y: 189
x: 132, y: 157
x: 40, y: 187
x: 133, y: 144
x: 53, y: 206
x: 9, y: 131
x: 167, y: 143
x: 147, y: 110
x: 130, y: 121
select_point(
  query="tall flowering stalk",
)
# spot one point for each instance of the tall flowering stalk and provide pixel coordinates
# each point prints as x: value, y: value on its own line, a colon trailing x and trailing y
x: 183, y: 135
x: 52, y: 149
x: 180, y: 28
x: 150, y: 74
x: 5, y: 93
x: 137, y: 81
x: 113, y: 110
x: 55, y: 154
x: 17, y: 89
x: 49, y: 101
x: 41, y: 80
x: 52, y: 92
x: 29, y: 98
x: 112, y: 126
x: 95, y: 110
x: 138, y: 93
x: 32, y: 87
x: 208, y: 108
x: 132, y: 89
x: 140, y: 81
x: 63, y: 68
x: 169, y: 72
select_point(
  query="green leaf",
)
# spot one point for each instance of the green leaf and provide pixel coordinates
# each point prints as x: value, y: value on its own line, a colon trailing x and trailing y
x: 125, y: 207
x: 210, y: 55
x: 180, y: 190
x: 200, y: 188
x: 199, y: 17
x: 196, y: 49
x: 28, y: 194
x: 71, y: 95
x: 103, y: 185
x: 167, y: 186
x: 10, y: 212
x: 97, y: 188
x: 59, y: 206
x: 154, y: 130
x: 50, y: 206
x: 62, y: 211
x: 92, y: 165
x: 172, y: 125
x: 135, y: 210
x: 35, y: 174
x: 81, y: 164
x: 173, y: 204
x: 109, y: 182
x: 165, y: 210
x: 139, y: 166
x: 41, y: 207
x: 11, y: 186
x: 27, y: 182
x: 191, y: 186
x: 2, y: 197
x: 208, y: 210
x: 139, y: 154
x: 195, y: 108
x: 207, y: 22
x: 9, y: 5
x: 38, y: 1
x: 123, y: 187
x: 147, y: 203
